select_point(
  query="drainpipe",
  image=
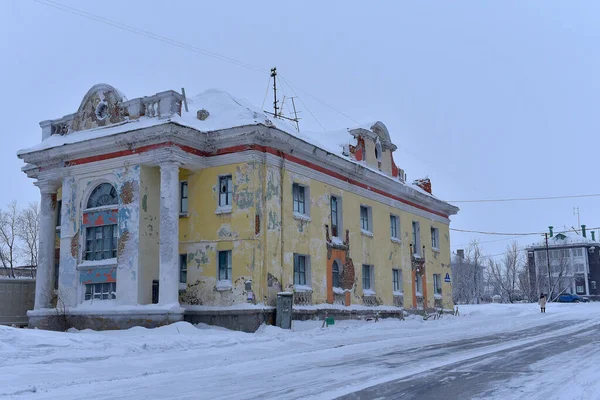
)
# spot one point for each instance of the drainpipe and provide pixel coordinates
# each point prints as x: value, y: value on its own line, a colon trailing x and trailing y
x: 583, y: 230
x: 281, y: 210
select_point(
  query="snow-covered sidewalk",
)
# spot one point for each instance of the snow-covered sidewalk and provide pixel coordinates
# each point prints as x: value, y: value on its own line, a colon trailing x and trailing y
x: 182, y: 361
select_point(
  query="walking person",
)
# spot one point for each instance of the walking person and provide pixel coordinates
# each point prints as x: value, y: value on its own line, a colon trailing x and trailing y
x: 542, y: 303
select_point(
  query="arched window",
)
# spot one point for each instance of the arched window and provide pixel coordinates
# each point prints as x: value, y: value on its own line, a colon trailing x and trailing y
x: 104, y: 194
x: 101, y: 225
x: 335, y: 271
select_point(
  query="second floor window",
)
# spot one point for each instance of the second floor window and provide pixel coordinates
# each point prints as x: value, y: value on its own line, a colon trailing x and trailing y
x: 435, y: 238
x: 364, y: 219
x: 416, y: 238
x: 101, y: 242
x: 183, y: 197
x: 299, y: 199
x: 335, y: 223
x: 394, y: 227
x: 225, y: 191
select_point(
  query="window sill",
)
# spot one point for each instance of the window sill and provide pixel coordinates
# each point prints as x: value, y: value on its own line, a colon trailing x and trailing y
x: 366, y: 233
x: 419, y: 295
x: 369, y: 292
x: 397, y: 293
x: 396, y: 240
x: 223, y: 286
x: 223, y: 210
x: 182, y: 286
x: 437, y: 296
x: 183, y: 215
x: 98, y: 264
x: 435, y: 250
x: 302, y: 217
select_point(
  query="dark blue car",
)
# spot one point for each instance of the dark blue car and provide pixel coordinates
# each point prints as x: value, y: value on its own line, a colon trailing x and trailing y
x: 571, y: 298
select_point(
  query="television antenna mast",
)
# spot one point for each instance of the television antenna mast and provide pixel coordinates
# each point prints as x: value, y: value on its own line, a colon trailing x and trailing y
x: 277, y: 109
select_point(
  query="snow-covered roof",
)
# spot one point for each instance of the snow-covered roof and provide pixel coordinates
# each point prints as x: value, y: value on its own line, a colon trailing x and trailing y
x: 225, y: 111
x: 565, y: 239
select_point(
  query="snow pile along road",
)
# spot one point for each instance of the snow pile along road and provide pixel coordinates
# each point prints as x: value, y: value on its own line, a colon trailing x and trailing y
x: 182, y: 361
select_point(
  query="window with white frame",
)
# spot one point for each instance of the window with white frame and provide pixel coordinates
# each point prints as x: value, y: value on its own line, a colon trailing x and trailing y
x: 183, y: 268
x: 435, y: 238
x: 593, y: 284
x: 580, y: 288
x: 183, y: 198
x: 336, y: 274
x: 101, y: 242
x: 300, y: 194
x: 225, y: 191
x: 367, y: 277
x: 394, y: 227
x: 437, y: 283
x: 224, y: 267
x: 100, y: 291
x: 335, y: 205
x: 578, y: 252
x: 301, y: 270
x: 419, y: 284
x: 416, y: 238
x: 397, y: 280
x: 366, y: 220
x: 579, y: 267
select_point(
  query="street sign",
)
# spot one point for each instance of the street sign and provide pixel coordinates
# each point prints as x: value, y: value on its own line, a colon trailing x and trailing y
x: 447, y: 278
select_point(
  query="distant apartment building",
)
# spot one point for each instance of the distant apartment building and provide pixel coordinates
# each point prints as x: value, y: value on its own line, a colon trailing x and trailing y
x: 568, y: 263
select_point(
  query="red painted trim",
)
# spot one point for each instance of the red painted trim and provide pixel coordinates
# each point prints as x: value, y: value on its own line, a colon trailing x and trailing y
x: 253, y: 147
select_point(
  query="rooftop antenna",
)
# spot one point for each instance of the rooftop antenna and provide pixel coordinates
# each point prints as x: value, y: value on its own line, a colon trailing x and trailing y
x: 277, y: 110
x: 576, y: 212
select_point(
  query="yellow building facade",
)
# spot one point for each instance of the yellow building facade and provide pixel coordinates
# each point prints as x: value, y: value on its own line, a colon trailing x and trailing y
x: 158, y: 210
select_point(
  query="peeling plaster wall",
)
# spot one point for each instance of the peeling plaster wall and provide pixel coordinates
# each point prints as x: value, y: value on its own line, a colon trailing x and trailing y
x: 308, y: 237
x: 204, y: 232
x: 75, y: 192
x: 149, y: 232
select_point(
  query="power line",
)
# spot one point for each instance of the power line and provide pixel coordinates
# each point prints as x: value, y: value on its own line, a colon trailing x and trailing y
x: 304, y: 104
x: 524, y: 198
x: 151, y: 35
x: 496, y: 233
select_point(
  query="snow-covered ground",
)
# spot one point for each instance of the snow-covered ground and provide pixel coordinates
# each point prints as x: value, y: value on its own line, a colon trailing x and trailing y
x: 182, y: 361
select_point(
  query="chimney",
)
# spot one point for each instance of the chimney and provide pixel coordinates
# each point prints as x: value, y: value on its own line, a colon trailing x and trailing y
x: 460, y: 254
x: 424, y: 184
x: 583, y: 230
x: 593, y: 235
x: 551, y: 233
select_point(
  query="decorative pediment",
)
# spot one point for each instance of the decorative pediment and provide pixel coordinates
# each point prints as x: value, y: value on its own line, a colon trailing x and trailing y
x: 101, y: 106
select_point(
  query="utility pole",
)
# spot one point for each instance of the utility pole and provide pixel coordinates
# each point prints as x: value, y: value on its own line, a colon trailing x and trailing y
x: 548, y: 261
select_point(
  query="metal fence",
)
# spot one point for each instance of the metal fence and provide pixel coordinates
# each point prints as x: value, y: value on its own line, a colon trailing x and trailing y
x: 16, y: 297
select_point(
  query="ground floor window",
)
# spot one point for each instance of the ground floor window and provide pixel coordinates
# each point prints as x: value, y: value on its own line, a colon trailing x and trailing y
x: 419, y: 284
x: 101, y: 291
x: 335, y: 274
x: 225, y: 265
x: 183, y: 268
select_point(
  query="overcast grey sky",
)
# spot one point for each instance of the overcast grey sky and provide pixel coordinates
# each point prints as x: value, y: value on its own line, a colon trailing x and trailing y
x: 490, y: 99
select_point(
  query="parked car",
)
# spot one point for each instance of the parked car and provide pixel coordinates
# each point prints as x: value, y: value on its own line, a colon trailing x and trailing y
x: 572, y: 298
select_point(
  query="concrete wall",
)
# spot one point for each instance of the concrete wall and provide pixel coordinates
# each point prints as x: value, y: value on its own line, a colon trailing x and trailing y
x: 16, y: 297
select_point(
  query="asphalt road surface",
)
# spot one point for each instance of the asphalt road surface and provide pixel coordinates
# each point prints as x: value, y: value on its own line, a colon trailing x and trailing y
x: 480, y: 376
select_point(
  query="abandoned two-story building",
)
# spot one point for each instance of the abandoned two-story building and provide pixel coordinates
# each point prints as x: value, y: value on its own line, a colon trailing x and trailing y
x: 149, y: 210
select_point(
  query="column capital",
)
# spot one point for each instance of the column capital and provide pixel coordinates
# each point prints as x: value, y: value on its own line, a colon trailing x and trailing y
x: 169, y: 164
x: 47, y: 187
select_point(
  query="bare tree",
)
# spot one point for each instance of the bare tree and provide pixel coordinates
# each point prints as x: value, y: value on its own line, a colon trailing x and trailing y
x: 504, y: 276
x: 467, y: 273
x: 28, y: 231
x: 562, y: 273
x: 9, y: 248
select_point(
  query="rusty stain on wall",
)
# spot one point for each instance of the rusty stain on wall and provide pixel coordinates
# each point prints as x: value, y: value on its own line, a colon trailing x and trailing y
x: 122, y: 242
x: 127, y: 191
x: 75, y: 245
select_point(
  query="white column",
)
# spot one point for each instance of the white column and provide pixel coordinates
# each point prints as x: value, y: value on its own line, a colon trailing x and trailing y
x: 44, y: 280
x: 168, y: 292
